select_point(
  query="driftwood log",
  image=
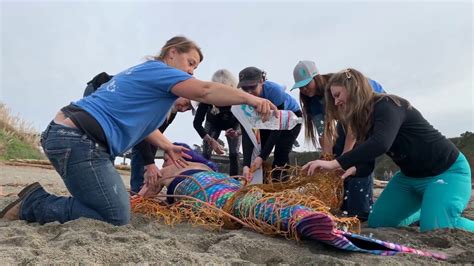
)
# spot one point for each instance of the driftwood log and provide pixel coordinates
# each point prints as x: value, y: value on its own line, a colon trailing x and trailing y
x: 45, y: 164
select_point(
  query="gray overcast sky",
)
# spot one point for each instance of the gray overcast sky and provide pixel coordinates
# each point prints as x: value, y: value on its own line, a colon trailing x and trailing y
x: 419, y: 50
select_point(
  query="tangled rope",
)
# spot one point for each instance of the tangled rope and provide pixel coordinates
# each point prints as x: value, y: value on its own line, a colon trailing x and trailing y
x: 271, y: 209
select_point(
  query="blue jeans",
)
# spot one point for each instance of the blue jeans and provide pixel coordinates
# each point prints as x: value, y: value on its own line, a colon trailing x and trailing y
x: 358, y: 196
x: 137, y: 171
x: 97, y: 189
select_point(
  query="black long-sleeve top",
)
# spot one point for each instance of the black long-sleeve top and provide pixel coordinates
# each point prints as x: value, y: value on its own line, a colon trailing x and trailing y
x: 221, y: 118
x: 403, y: 133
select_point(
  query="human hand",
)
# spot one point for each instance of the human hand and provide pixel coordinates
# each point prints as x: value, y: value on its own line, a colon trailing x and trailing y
x: 232, y: 133
x: 349, y: 172
x: 152, y: 175
x: 176, y: 154
x: 246, y: 173
x: 263, y: 107
x: 257, y: 163
x: 148, y: 191
x: 320, y: 164
x: 216, y: 147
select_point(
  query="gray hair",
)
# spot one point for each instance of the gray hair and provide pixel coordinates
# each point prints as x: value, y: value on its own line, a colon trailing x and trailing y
x: 224, y: 76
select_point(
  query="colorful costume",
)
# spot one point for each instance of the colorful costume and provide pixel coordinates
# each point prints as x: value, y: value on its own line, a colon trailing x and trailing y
x: 267, y: 212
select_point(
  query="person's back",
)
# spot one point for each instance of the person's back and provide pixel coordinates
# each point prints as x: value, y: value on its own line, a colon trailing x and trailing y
x: 96, y: 82
x: 417, y: 136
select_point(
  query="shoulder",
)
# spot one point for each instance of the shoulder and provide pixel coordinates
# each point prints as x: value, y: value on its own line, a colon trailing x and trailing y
x: 383, y: 101
x: 273, y: 85
x: 376, y: 87
x: 194, y: 166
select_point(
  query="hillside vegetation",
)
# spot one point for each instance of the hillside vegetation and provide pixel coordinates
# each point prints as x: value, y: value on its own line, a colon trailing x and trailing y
x: 18, y: 140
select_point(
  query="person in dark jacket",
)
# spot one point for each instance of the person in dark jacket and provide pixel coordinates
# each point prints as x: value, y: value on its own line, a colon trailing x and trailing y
x: 218, y: 119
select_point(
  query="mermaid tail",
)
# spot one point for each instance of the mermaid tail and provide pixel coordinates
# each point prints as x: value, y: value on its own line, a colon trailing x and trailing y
x: 319, y: 226
x: 292, y: 220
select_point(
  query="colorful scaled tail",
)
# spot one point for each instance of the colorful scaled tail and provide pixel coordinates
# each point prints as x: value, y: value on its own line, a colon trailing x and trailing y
x: 319, y: 226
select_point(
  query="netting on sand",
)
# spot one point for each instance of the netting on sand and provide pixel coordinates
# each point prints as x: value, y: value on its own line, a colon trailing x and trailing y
x: 214, y: 200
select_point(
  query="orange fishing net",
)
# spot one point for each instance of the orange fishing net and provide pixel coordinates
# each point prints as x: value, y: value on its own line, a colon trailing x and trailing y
x: 321, y: 192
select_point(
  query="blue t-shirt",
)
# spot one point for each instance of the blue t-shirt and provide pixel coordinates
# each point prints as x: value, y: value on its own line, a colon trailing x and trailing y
x: 316, y: 106
x: 133, y: 103
x: 276, y: 94
x: 376, y: 86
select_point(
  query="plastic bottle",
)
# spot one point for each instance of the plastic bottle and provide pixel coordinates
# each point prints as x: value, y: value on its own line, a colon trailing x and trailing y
x: 287, y: 120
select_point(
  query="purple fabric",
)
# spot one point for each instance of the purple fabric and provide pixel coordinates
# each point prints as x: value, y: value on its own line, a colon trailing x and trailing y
x: 197, y: 157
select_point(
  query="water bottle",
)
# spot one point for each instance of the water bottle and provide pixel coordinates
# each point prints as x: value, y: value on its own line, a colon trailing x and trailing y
x: 287, y: 120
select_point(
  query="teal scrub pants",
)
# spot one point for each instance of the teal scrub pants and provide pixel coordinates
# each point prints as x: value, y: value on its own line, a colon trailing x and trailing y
x: 437, y: 201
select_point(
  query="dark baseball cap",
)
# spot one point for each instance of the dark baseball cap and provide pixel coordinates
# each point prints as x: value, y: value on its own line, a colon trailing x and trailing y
x: 249, y: 76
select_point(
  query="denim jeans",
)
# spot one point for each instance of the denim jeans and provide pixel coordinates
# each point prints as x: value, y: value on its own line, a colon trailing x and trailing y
x: 234, y: 145
x: 137, y: 165
x: 97, y: 189
x: 358, y: 196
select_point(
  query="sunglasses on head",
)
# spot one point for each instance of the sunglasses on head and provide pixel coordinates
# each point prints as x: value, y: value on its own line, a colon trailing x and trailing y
x: 249, y: 88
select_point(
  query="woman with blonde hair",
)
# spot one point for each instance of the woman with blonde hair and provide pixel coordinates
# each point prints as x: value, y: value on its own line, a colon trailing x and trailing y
x: 434, y: 181
x: 121, y: 113
x: 219, y: 118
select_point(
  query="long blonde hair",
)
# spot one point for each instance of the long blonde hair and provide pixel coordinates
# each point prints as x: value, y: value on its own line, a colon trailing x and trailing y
x: 181, y: 44
x: 357, y: 115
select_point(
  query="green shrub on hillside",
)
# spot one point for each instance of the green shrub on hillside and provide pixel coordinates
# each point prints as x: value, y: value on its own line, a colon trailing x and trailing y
x: 12, y: 147
x: 18, y: 139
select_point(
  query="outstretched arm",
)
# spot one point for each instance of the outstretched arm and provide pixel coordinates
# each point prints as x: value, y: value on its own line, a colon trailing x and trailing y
x: 221, y: 95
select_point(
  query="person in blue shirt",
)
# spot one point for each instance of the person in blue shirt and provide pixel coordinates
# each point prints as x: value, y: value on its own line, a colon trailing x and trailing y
x: 122, y: 112
x: 358, y: 190
x: 142, y: 161
x: 253, y: 81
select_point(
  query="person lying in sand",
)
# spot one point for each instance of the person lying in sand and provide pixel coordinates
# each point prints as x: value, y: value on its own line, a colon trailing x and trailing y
x: 263, y: 210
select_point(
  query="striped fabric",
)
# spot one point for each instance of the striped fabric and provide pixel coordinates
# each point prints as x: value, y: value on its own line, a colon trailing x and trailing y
x: 310, y: 224
x: 319, y: 226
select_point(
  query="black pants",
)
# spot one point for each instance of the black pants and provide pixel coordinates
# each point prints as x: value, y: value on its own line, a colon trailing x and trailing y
x: 214, y: 132
x: 283, y: 147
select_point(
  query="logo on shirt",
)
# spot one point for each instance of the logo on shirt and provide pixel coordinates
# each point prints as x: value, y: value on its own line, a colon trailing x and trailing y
x: 111, y: 86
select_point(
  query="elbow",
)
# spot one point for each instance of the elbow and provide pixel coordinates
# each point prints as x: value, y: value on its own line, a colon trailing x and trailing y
x: 382, y: 147
x: 203, y: 94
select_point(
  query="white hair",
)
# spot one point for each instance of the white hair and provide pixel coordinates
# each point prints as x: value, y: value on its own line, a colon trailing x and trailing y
x: 224, y: 76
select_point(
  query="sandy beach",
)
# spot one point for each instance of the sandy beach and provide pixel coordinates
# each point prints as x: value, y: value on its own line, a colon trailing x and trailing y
x: 148, y: 241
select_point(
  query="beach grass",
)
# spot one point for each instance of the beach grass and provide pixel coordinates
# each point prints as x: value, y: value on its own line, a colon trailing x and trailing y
x: 18, y: 139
